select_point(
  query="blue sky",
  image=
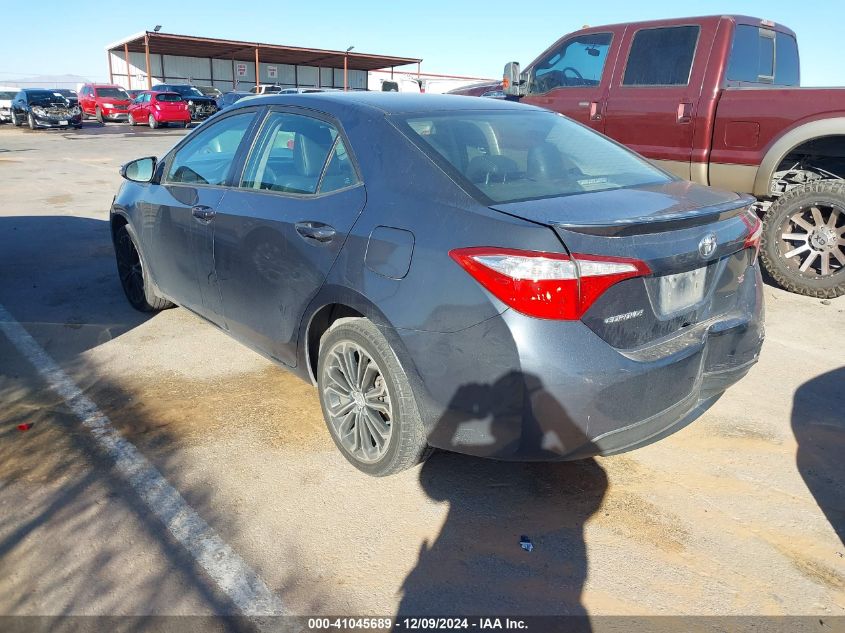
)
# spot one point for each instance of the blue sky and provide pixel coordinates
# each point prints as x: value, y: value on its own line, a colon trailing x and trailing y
x: 467, y: 37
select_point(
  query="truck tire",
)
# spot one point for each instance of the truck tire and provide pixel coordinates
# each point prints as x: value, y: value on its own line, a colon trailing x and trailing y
x: 803, y: 242
x: 99, y: 116
x: 367, y: 400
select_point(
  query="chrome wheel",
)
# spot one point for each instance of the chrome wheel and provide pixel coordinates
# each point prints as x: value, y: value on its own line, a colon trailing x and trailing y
x: 357, y: 401
x: 813, y: 239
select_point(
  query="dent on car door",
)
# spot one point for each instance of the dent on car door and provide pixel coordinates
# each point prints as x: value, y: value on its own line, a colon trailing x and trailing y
x: 183, y: 208
x: 279, y: 232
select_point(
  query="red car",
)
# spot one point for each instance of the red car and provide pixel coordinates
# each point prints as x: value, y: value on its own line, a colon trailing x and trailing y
x: 105, y: 102
x: 159, y: 108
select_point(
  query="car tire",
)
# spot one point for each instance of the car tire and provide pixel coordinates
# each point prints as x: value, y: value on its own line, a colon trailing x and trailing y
x: 15, y: 120
x: 99, y: 116
x: 133, y: 275
x: 804, y: 213
x: 382, y: 401
x: 131, y: 120
x: 153, y: 123
x: 30, y: 120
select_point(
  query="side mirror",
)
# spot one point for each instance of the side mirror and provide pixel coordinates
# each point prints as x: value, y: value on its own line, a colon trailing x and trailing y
x: 512, y: 82
x: 139, y: 170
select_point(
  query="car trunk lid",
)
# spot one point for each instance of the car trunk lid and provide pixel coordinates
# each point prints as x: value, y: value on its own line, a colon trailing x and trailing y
x: 694, y: 241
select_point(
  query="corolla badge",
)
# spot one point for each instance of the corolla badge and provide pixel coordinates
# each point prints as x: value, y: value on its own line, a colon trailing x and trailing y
x: 707, y: 245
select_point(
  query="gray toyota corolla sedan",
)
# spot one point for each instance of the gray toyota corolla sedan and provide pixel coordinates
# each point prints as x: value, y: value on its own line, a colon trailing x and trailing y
x: 484, y: 277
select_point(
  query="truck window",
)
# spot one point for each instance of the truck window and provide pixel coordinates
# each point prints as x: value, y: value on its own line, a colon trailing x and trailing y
x: 661, y: 57
x: 579, y: 61
x: 761, y: 56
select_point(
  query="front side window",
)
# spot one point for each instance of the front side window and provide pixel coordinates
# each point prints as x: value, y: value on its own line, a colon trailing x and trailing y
x: 578, y: 62
x: 290, y: 154
x: 661, y: 57
x: 500, y: 157
x: 207, y: 157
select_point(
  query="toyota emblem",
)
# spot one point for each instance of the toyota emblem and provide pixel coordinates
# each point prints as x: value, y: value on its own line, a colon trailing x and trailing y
x: 707, y: 245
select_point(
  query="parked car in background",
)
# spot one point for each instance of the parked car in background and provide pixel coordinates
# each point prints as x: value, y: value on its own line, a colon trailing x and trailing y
x: 515, y: 299
x: 209, y: 91
x: 6, y: 97
x: 133, y: 94
x: 481, y: 89
x: 716, y: 100
x: 104, y: 102
x: 262, y: 89
x: 227, y: 99
x: 40, y: 108
x: 159, y: 108
x: 200, y: 106
x: 71, y: 95
x: 295, y: 91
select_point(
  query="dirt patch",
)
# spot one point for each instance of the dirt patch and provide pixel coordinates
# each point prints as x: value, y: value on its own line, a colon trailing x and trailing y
x: 813, y: 569
x: 62, y: 198
x: 630, y: 515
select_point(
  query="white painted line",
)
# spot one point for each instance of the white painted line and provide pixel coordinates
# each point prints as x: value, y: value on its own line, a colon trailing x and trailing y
x: 232, y: 575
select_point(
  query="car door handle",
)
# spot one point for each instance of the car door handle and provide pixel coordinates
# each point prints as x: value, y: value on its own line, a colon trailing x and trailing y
x: 316, y: 231
x: 202, y: 212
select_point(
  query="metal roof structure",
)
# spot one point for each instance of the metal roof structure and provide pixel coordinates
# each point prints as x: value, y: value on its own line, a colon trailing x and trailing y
x: 150, y: 42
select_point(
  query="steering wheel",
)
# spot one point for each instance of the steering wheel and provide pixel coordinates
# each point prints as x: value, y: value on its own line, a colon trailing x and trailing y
x: 575, y: 72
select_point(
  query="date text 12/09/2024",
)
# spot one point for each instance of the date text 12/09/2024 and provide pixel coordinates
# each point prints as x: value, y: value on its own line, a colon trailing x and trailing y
x: 413, y: 624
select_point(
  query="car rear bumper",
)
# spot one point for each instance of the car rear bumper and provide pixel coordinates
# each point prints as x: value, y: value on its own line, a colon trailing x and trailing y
x: 520, y: 388
x: 174, y: 117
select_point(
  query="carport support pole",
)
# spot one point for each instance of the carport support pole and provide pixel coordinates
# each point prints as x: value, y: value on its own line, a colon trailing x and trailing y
x: 147, y: 59
x: 257, y: 74
x: 128, y: 70
x: 345, y: 58
x: 111, y: 74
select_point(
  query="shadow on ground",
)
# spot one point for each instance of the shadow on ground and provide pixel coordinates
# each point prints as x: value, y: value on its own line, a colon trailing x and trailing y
x: 818, y: 422
x: 477, y: 565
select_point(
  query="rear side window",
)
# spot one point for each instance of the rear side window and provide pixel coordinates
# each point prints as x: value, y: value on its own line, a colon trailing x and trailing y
x: 762, y: 56
x: 290, y: 155
x: 208, y: 156
x: 661, y: 57
x: 578, y: 62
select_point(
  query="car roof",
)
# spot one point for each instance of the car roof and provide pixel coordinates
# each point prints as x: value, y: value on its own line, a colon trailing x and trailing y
x: 386, y: 102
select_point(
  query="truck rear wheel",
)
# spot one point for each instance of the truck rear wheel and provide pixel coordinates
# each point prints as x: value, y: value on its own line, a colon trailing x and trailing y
x: 803, y: 242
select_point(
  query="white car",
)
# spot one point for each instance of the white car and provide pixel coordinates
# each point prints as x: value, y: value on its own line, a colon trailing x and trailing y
x: 6, y: 96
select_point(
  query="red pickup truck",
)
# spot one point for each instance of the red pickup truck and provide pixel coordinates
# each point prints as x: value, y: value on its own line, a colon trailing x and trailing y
x: 715, y: 100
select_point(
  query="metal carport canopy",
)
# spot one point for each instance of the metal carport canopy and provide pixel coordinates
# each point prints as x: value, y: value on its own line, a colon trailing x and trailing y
x: 191, y: 46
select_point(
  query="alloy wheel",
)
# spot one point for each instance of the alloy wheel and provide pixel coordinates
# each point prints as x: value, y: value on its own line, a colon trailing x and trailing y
x: 357, y: 401
x: 813, y: 239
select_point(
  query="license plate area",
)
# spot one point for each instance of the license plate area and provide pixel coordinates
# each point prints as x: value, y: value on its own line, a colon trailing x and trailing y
x: 681, y: 291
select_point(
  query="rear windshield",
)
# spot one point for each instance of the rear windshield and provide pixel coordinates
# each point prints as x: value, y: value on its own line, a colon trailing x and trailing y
x: 501, y: 157
x: 112, y: 93
x: 168, y: 96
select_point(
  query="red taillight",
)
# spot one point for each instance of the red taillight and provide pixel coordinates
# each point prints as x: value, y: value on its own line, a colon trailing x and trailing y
x: 546, y: 285
x: 755, y: 230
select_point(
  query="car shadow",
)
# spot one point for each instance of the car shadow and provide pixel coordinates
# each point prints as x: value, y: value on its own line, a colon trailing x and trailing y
x: 513, y: 540
x: 818, y: 423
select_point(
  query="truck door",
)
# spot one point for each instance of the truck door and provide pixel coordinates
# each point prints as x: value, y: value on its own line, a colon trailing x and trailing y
x: 573, y: 76
x: 655, y: 92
